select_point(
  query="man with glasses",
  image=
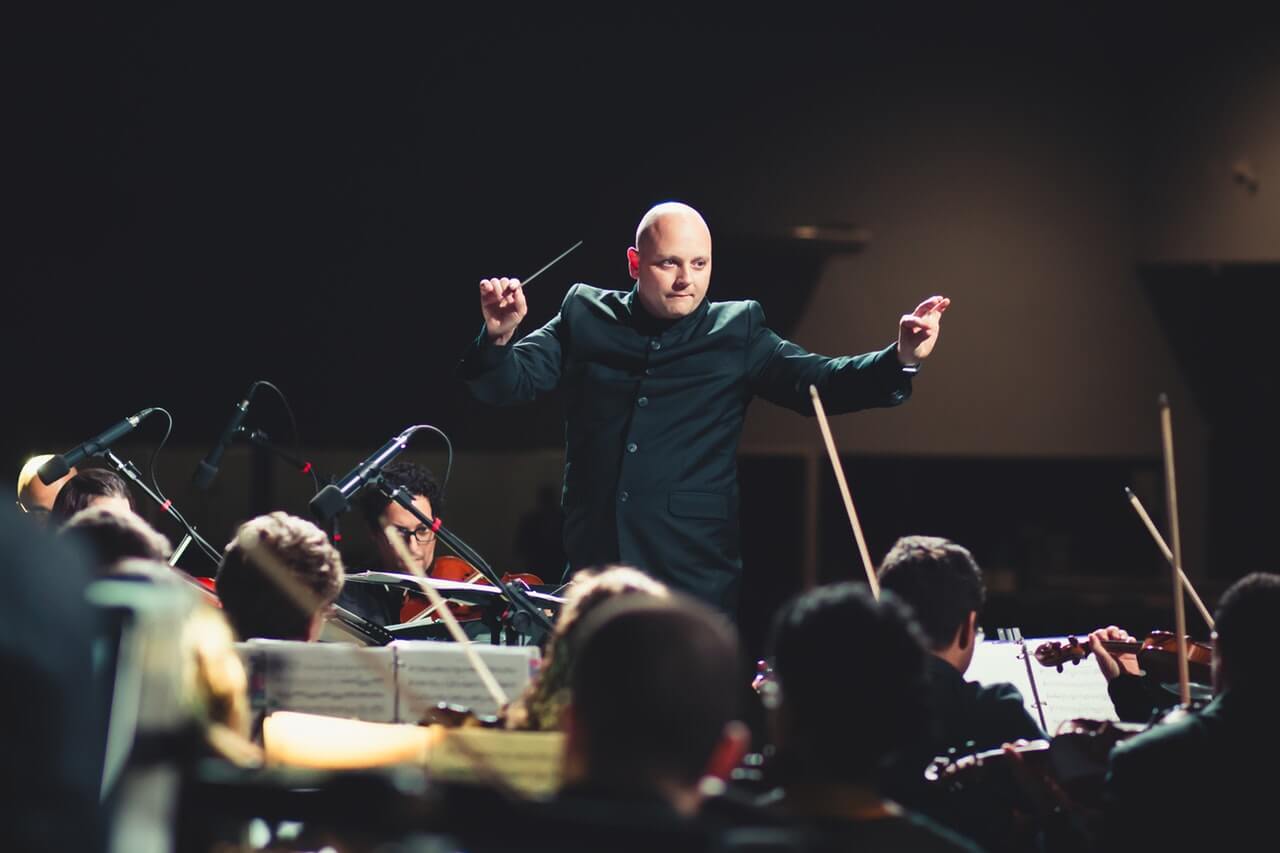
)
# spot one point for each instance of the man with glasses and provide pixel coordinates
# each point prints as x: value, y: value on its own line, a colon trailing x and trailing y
x: 378, y: 603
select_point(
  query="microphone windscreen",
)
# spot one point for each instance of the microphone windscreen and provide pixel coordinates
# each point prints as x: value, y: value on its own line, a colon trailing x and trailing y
x: 53, y: 470
x: 328, y: 502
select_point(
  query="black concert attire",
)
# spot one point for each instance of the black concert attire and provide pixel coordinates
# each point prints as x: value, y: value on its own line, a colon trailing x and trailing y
x: 1200, y: 779
x: 653, y: 415
x: 968, y: 717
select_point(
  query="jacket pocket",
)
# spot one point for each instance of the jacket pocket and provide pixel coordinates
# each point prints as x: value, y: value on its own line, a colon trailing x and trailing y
x: 699, y: 505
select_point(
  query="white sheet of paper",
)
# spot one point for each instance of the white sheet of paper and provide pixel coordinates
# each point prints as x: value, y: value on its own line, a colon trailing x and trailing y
x: 336, y: 679
x: 431, y: 672
x: 1078, y: 692
x: 527, y: 761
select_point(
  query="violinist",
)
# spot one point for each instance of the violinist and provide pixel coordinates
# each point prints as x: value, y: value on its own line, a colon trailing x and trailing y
x: 1203, y: 777
x: 831, y: 740
x: 1135, y: 695
x: 382, y: 604
x: 941, y: 582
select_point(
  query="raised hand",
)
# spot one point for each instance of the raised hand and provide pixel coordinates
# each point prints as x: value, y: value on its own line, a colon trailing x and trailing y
x: 503, y: 306
x: 918, y: 331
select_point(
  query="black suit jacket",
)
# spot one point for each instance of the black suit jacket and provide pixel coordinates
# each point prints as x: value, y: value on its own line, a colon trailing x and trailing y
x: 1203, y: 781
x: 653, y: 414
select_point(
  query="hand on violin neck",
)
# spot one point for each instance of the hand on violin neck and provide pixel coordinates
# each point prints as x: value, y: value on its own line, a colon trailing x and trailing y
x: 1111, y: 665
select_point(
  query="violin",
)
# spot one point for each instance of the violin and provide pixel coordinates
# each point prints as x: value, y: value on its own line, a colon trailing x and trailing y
x: 1075, y: 760
x: 1157, y: 655
x: 449, y: 568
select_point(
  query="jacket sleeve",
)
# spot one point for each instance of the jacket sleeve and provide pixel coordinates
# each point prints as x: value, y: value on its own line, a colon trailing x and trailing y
x: 520, y: 371
x: 781, y: 372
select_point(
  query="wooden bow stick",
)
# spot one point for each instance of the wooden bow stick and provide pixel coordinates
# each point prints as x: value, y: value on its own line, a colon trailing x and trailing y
x: 1179, y: 609
x: 455, y: 629
x: 1168, y: 555
x: 844, y: 490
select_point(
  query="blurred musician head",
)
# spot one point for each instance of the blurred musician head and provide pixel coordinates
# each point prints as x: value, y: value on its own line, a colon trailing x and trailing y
x: 34, y: 497
x: 378, y: 512
x: 113, y: 534
x: 942, y: 584
x: 255, y: 604
x: 828, y: 644
x: 655, y: 686
x: 540, y: 707
x: 91, y: 487
x: 1243, y: 626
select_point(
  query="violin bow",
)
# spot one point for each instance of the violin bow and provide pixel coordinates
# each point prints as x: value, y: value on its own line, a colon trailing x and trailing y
x: 1171, y: 497
x: 1168, y: 555
x: 844, y: 490
x: 451, y: 622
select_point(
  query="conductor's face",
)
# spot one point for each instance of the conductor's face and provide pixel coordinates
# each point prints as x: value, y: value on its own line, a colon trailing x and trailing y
x: 672, y: 264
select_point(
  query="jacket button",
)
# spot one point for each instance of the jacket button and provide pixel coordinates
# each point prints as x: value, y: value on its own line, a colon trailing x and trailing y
x: 642, y: 402
x: 655, y: 344
x: 623, y: 496
x: 631, y: 447
x: 648, y: 371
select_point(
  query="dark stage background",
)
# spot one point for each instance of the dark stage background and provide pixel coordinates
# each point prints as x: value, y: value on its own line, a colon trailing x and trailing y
x: 201, y: 199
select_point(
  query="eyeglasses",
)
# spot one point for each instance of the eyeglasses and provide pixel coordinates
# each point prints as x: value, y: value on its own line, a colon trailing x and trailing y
x: 425, y: 535
x: 32, y: 510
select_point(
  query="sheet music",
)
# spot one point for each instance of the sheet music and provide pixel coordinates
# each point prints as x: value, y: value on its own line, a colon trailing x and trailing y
x: 430, y: 672
x: 1078, y: 691
x: 336, y: 679
x: 527, y: 761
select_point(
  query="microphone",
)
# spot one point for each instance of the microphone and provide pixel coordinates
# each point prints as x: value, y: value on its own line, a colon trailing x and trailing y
x: 336, y: 497
x: 59, y: 466
x: 208, y: 467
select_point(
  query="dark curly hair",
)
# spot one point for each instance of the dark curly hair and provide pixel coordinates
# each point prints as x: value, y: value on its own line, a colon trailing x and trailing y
x: 415, y: 479
x: 1244, y: 624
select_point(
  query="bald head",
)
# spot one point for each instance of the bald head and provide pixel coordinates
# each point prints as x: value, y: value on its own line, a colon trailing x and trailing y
x: 671, y: 260
x: 666, y: 216
x: 31, y: 491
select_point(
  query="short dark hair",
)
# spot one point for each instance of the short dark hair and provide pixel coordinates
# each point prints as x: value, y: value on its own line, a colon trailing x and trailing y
x: 88, y: 484
x: 253, y: 602
x: 938, y: 579
x: 833, y: 643
x: 1245, y: 623
x: 113, y: 535
x: 415, y: 479
x: 655, y: 682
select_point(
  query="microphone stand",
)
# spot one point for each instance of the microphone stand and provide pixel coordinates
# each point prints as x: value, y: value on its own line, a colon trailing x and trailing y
x: 526, y: 618
x: 258, y: 438
x: 128, y: 469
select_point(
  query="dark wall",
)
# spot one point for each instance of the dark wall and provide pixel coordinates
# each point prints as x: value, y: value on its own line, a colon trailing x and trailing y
x: 199, y: 199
